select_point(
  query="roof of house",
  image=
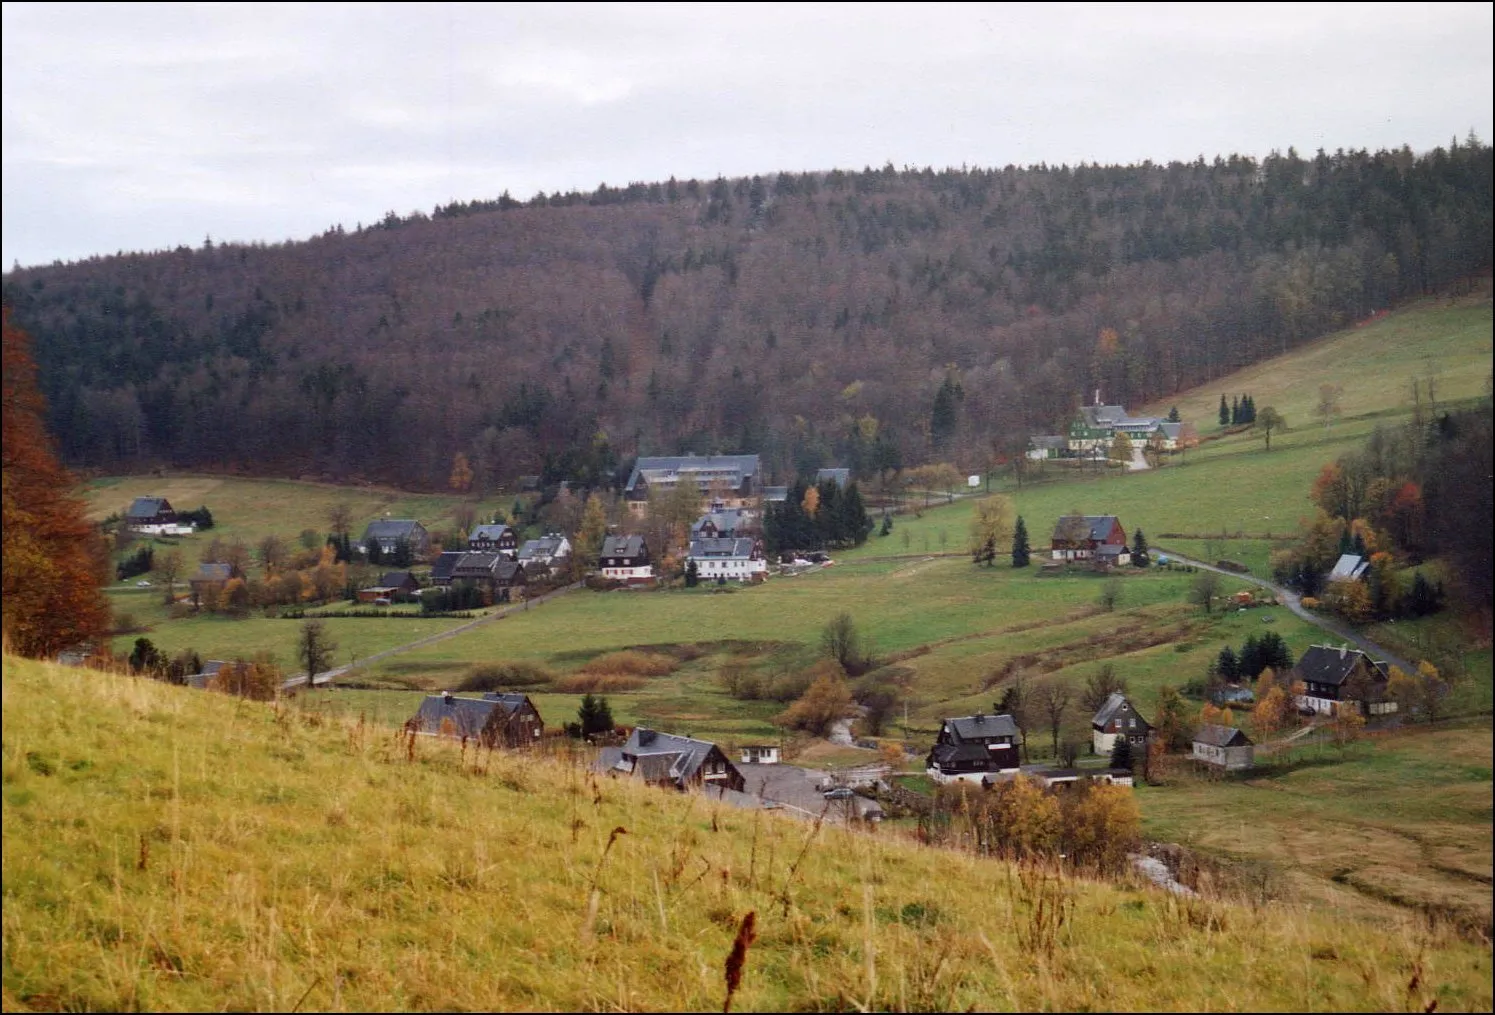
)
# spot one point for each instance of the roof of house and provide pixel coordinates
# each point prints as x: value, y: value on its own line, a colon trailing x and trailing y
x: 147, y: 507
x: 391, y: 528
x: 545, y: 546
x: 476, y: 564
x: 397, y: 579
x: 443, y: 565
x: 1113, y: 705
x: 1221, y: 736
x: 494, y: 531
x: 623, y: 546
x: 974, y: 727
x: 955, y: 754
x: 722, y: 549
x: 467, y: 716
x: 1171, y: 430
x: 775, y: 494
x: 1098, y: 416
x: 1080, y: 528
x: 665, y: 755
x: 731, y: 469
x: 841, y: 477
x: 1044, y: 442
x: 724, y: 520
x: 213, y: 572
x: 1328, y: 664
x: 510, y: 701
x: 1349, y: 567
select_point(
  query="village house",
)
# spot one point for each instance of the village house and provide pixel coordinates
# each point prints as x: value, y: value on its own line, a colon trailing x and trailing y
x: 154, y: 516
x: 1117, y: 718
x: 729, y: 480
x: 1334, y: 677
x: 494, y: 720
x: 728, y: 559
x: 491, y: 571
x: 726, y: 523
x: 760, y: 754
x: 1349, y: 567
x: 1224, y: 747
x: 441, y: 567
x: 974, y: 748
x: 392, y: 586
x: 389, y: 533
x: 1090, y: 537
x: 209, y: 579
x: 494, y: 538
x: 626, y: 559
x: 547, y: 555
x: 664, y: 759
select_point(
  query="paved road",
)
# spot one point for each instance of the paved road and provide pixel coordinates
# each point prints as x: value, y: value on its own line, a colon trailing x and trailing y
x: 328, y: 676
x: 1293, y: 602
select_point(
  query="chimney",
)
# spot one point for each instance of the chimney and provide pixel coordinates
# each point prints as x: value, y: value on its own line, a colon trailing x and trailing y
x: 1097, y: 396
x: 1342, y: 650
x: 446, y: 697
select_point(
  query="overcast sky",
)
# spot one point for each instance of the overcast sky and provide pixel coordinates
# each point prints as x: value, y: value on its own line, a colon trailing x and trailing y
x: 139, y: 127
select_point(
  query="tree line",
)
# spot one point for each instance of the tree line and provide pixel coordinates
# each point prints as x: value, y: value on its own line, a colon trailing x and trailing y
x: 878, y: 319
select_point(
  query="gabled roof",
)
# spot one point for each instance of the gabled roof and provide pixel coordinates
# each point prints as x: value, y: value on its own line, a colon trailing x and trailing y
x: 1080, y: 528
x: 731, y: 469
x: 974, y: 727
x: 1099, y: 416
x: 665, y: 755
x: 545, y: 546
x: 623, y: 546
x: 147, y: 507
x: 509, y: 701
x: 1221, y: 736
x: 724, y: 520
x: 775, y: 494
x: 212, y: 572
x: 493, y: 532
x: 1326, y: 664
x: 721, y: 549
x: 1171, y: 430
x: 444, y: 564
x: 945, y: 755
x: 397, y: 579
x: 467, y: 716
x: 1113, y: 705
x: 1349, y: 567
x: 391, y: 528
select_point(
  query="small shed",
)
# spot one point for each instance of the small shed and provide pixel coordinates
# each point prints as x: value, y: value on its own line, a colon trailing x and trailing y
x: 1224, y: 747
x: 760, y: 754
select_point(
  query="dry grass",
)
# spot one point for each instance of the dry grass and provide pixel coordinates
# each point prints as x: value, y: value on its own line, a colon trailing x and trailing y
x: 633, y: 663
x: 598, y: 683
x: 171, y: 850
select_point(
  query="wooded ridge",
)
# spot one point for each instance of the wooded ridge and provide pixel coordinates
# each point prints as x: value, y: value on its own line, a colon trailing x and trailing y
x: 870, y: 319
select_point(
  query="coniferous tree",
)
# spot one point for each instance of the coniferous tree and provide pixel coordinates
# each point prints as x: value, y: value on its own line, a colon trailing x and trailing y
x: 1121, y: 753
x: 1224, y: 412
x: 692, y: 574
x: 1235, y: 410
x: 1020, y: 549
x: 1139, y: 548
x: 1173, y: 416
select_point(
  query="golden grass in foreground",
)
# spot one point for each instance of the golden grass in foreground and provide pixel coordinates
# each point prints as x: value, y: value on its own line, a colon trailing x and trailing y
x: 165, y: 849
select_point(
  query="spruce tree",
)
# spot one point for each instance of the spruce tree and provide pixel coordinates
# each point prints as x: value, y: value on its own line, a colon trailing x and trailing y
x: 1224, y: 412
x: 1173, y: 416
x: 1235, y: 410
x: 1139, y: 548
x: 692, y: 574
x: 1020, y: 550
x: 1121, y: 753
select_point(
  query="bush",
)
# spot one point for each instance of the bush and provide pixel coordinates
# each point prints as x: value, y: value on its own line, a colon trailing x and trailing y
x: 631, y: 662
x: 505, y: 676
x: 1310, y: 603
x: 597, y: 683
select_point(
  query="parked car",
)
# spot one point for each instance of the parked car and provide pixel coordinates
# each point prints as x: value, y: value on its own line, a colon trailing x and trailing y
x: 839, y: 793
x: 142, y: 584
x: 382, y: 601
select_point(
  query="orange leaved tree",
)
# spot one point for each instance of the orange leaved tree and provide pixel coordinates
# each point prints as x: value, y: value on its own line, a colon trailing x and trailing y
x: 52, y: 561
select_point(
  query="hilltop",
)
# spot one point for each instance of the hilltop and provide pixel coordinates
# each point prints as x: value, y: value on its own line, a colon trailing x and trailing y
x: 172, y: 850
x: 809, y: 317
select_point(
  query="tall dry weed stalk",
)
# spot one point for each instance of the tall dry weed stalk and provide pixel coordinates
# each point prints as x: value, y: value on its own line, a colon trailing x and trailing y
x: 595, y: 899
x: 1044, y: 904
x: 747, y: 933
x: 805, y: 848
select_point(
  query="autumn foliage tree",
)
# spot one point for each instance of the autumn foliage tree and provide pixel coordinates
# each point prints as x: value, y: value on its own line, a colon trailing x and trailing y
x: 54, y: 561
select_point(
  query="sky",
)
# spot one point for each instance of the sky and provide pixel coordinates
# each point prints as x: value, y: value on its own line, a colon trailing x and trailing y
x: 144, y: 127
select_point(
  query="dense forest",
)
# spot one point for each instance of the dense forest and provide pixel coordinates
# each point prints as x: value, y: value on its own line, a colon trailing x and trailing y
x: 874, y: 319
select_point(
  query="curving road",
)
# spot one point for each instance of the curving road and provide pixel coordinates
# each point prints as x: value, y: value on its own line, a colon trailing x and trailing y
x: 1294, y: 602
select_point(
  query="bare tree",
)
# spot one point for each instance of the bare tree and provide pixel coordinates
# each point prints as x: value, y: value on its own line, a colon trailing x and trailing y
x: 340, y: 517
x: 1203, y: 591
x: 1099, y: 686
x: 314, y: 648
x: 170, y: 568
x: 1053, y: 699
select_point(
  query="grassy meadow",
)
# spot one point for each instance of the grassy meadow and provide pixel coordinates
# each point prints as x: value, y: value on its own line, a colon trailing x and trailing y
x: 169, y: 850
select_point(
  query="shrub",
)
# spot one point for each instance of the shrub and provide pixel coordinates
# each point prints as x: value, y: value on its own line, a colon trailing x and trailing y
x: 632, y: 663
x: 597, y: 683
x: 503, y: 676
x: 1310, y: 603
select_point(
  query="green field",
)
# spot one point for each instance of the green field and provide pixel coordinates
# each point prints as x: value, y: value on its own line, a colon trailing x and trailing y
x: 169, y: 850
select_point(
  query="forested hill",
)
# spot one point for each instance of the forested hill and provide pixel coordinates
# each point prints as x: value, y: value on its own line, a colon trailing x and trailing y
x: 866, y: 318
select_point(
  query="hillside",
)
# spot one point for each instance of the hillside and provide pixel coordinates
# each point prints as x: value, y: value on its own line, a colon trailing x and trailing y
x: 168, y: 850
x: 811, y: 317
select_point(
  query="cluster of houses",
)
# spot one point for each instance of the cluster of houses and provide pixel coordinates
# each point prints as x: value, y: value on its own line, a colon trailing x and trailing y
x: 1095, y: 427
x: 985, y: 748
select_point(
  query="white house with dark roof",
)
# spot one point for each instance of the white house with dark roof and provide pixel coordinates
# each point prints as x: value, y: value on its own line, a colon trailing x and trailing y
x: 625, y: 559
x: 1224, y: 747
x: 974, y: 748
x: 546, y: 554
x: 664, y: 759
x: 728, y: 559
x: 154, y: 516
x: 494, y: 538
x: 1117, y: 718
x: 1336, y: 676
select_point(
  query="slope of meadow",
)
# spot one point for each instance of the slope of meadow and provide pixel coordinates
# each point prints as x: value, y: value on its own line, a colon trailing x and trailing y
x: 169, y: 850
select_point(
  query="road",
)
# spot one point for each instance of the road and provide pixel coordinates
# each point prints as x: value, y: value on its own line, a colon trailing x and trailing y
x: 1294, y: 602
x: 328, y: 676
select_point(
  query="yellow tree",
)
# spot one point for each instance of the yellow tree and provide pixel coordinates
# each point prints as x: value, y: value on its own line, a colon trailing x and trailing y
x: 590, y: 534
x: 461, y: 478
x: 991, y: 527
x: 811, y: 504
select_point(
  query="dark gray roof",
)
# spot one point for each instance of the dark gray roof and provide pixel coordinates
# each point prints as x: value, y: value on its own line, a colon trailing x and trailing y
x: 477, y: 564
x: 975, y: 755
x: 1111, y: 707
x: 704, y: 469
x: 1046, y: 441
x: 841, y: 477
x: 442, y: 567
x: 665, y: 755
x: 974, y: 727
x: 147, y: 507
x: 494, y: 532
x: 721, y: 549
x: 623, y: 546
x: 775, y: 494
x: 213, y: 572
x: 1221, y: 736
x: 391, y: 528
x: 1325, y: 664
x: 725, y: 520
x: 509, y: 701
x: 397, y: 579
x: 468, y: 716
